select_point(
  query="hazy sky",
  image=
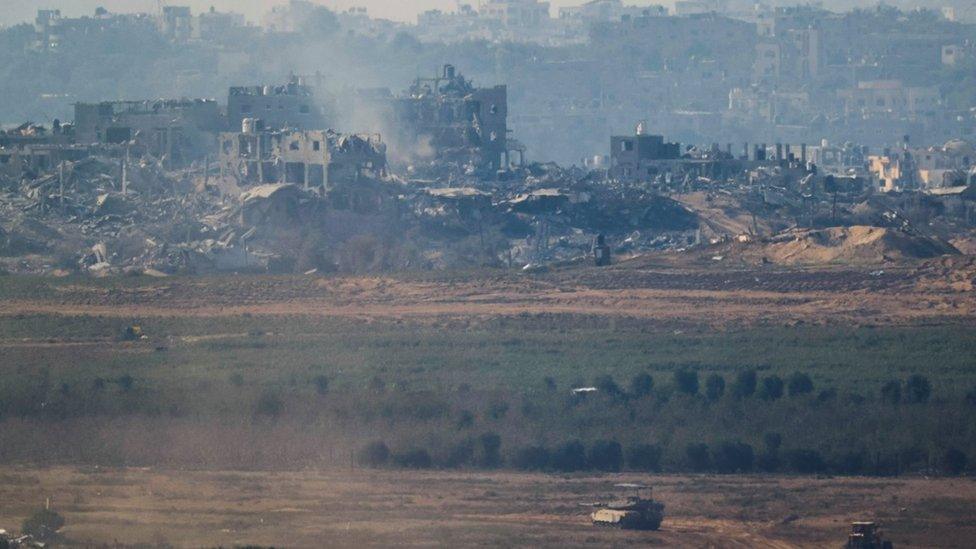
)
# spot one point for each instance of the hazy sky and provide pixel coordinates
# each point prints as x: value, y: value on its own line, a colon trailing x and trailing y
x: 16, y: 11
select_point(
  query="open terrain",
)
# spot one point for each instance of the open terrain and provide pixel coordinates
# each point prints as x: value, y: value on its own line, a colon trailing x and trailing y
x: 237, y: 415
x: 381, y: 508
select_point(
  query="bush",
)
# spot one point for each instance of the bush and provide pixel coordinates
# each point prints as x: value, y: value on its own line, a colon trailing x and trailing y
x: 800, y: 384
x: 806, y: 461
x: 497, y: 410
x: 734, y: 457
x: 375, y: 454
x: 125, y: 383
x: 489, y: 450
x: 891, y: 392
x: 606, y: 455
x: 686, y: 381
x: 269, y: 404
x: 954, y: 461
x: 321, y: 385
x: 43, y: 524
x: 772, y: 388
x: 531, y: 458
x: 416, y: 458
x: 745, y: 384
x: 773, y: 442
x: 571, y: 456
x: 644, y: 457
x: 971, y: 397
x: 607, y: 385
x: 465, y: 419
x: 698, y: 459
x: 714, y: 387
x: 641, y: 385
x: 918, y: 389
x: 851, y: 463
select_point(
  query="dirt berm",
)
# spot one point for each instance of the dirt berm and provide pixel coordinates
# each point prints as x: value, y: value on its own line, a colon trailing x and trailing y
x: 849, y: 245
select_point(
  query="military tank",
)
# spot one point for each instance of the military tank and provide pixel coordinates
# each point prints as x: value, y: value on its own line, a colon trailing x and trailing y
x: 634, y: 512
x: 866, y: 535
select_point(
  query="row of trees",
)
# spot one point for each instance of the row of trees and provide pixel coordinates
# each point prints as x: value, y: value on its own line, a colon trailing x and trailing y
x: 748, y: 384
x: 727, y: 457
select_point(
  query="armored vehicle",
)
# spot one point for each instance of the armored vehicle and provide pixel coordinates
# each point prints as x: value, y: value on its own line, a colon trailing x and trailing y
x: 631, y: 513
x: 866, y: 535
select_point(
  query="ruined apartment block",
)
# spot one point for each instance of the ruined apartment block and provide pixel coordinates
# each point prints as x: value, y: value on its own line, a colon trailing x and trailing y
x: 312, y: 159
x: 462, y: 123
x: 290, y: 106
x: 178, y: 131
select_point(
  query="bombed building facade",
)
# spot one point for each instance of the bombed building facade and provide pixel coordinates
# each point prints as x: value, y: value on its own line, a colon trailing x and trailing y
x: 292, y: 105
x: 178, y: 131
x: 449, y: 119
x: 311, y: 159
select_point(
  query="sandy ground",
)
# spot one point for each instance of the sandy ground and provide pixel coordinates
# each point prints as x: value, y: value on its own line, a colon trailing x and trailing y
x: 712, y: 296
x: 384, y: 508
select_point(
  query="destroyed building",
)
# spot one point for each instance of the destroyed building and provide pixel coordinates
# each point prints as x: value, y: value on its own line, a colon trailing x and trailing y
x: 636, y: 156
x: 290, y: 106
x: 175, y: 130
x: 448, y: 118
x: 311, y: 159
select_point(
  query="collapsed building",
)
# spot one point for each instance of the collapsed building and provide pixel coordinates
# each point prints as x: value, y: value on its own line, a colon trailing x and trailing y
x: 447, y: 119
x: 178, y: 131
x: 312, y: 159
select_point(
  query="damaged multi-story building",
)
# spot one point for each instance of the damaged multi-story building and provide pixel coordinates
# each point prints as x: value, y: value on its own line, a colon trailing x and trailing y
x: 447, y: 118
x: 312, y: 159
x: 177, y: 131
x: 292, y: 105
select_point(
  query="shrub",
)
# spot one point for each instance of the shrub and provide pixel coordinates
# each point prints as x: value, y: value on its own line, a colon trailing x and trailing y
x: 714, y: 387
x: 571, y: 456
x: 465, y: 419
x: 550, y: 384
x: 43, y: 524
x: 415, y: 458
x: 375, y: 454
x: 734, y: 457
x: 806, y: 461
x: 772, y: 388
x: 698, y: 459
x: 531, y: 458
x: 644, y: 457
x: 800, y: 384
x: 125, y: 383
x: 891, y: 392
x: 641, y: 385
x: 686, y: 382
x: 269, y: 404
x: 971, y: 397
x: 607, y: 385
x: 826, y: 395
x: 606, y: 455
x: 321, y: 384
x: 773, y: 442
x: 745, y: 384
x: 851, y: 463
x: 489, y: 450
x: 497, y: 410
x: 918, y: 389
x: 377, y: 385
x: 954, y: 461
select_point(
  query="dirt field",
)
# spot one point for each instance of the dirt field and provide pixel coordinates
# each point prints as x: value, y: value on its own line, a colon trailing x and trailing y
x: 380, y: 508
x: 660, y: 287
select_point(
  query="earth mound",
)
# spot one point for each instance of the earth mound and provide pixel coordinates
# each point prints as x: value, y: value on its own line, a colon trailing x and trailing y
x: 858, y: 244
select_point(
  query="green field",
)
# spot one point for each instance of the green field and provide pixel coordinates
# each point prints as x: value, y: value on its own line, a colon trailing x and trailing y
x: 318, y: 384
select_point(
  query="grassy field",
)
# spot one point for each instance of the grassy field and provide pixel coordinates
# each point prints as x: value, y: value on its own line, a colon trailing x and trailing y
x: 436, y: 363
